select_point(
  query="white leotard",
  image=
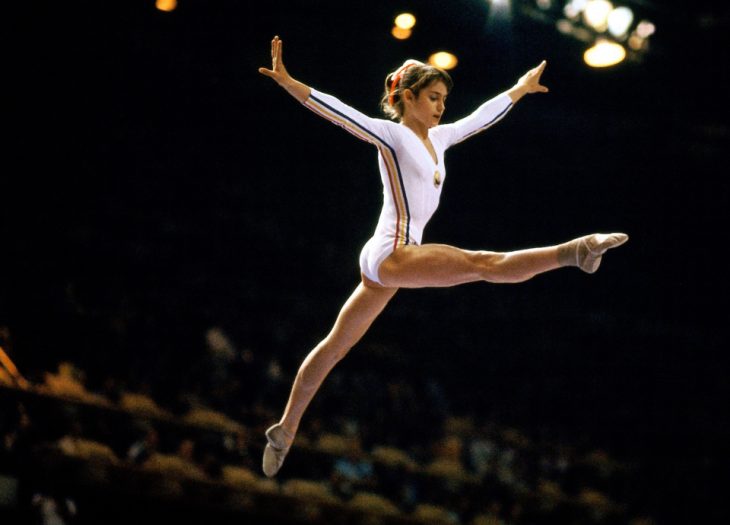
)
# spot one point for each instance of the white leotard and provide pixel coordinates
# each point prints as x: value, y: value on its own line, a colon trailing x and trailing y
x: 411, y: 184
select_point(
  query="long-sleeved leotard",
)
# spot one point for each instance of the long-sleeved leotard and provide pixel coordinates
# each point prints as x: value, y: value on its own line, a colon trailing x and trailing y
x: 412, y: 180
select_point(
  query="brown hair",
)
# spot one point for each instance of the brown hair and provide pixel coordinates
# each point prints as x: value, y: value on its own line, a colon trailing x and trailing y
x: 414, y: 76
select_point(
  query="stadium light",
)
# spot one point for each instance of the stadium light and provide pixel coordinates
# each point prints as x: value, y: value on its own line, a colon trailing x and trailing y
x: 598, y: 23
x: 443, y: 60
x: 400, y: 33
x: 604, y: 53
x: 403, y: 26
x: 166, y: 5
x: 619, y: 21
x: 645, y: 29
x: 596, y: 14
x: 405, y: 21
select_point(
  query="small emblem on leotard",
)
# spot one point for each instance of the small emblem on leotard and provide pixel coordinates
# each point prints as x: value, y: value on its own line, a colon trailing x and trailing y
x: 436, y: 178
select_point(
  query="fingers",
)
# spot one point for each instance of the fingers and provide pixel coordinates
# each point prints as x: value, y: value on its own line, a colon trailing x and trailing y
x: 276, y: 51
x: 539, y: 69
x: 537, y: 74
x: 277, y: 71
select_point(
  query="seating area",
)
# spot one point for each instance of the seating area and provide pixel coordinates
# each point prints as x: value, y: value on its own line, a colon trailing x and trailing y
x: 119, y: 453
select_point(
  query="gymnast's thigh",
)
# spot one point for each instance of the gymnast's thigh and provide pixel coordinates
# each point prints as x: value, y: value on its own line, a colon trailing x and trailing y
x: 375, y: 251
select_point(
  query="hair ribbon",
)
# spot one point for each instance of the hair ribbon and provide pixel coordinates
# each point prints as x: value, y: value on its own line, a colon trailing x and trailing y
x: 397, y: 78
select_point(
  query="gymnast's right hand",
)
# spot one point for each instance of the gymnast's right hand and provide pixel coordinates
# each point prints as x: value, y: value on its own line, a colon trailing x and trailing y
x: 278, y: 71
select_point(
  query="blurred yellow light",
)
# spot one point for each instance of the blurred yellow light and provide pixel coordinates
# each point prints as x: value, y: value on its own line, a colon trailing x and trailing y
x: 604, y: 54
x: 400, y: 33
x: 443, y: 60
x: 619, y: 21
x: 636, y: 42
x: 405, y: 21
x: 596, y: 14
x: 544, y: 4
x: 166, y: 5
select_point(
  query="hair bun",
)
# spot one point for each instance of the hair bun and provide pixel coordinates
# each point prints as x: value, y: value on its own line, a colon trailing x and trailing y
x: 408, y: 63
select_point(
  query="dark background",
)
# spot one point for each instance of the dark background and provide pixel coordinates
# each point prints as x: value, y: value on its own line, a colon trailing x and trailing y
x: 156, y: 185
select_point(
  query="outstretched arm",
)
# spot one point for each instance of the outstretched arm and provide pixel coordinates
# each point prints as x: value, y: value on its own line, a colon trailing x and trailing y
x: 528, y: 83
x: 278, y: 72
x: 493, y: 110
x: 363, y: 127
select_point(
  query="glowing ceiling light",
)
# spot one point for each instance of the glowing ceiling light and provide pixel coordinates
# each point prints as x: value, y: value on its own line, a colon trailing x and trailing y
x: 400, y: 33
x: 573, y: 8
x: 443, y: 60
x: 166, y: 5
x: 564, y: 26
x: 596, y: 14
x: 636, y: 42
x: 619, y: 21
x: 545, y: 5
x: 604, y: 54
x: 405, y: 21
x: 645, y: 29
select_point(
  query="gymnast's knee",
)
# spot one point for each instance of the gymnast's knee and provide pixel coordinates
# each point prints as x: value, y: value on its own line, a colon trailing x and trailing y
x: 320, y: 361
x: 333, y: 349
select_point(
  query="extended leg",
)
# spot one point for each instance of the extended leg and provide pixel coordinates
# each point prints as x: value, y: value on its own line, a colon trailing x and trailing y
x: 356, y: 316
x: 439, y: 265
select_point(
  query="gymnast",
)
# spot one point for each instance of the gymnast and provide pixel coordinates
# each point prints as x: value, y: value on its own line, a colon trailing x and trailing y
x: 411, y: 148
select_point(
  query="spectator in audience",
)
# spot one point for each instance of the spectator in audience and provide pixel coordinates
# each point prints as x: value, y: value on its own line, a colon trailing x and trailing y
x: 53, y: 510
x: 234, y: 449
x: 143, y: 448
x: 18, y: 435
x: 482, y: 451
x: 494, y: 513
x: 353, y: 472
x: 186, y: 450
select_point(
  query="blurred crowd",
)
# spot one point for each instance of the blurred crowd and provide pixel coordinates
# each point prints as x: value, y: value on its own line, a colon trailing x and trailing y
x: 375, y: 439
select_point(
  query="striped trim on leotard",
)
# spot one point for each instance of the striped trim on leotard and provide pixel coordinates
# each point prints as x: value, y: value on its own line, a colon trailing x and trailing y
x: 397, y: 188
x: 489, y: 124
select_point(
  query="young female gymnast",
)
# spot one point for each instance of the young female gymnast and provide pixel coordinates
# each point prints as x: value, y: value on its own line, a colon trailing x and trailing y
x: 411, y: 161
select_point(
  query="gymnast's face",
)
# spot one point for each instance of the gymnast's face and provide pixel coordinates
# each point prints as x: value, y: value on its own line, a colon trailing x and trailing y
x: 429, y: 105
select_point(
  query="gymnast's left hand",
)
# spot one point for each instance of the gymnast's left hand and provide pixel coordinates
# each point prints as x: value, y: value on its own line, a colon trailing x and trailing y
x: 530, y: 81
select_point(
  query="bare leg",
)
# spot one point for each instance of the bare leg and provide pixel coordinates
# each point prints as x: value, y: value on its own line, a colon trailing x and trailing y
x: 433, y: 265
x: 356, y: 316
x: 440, y: 265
